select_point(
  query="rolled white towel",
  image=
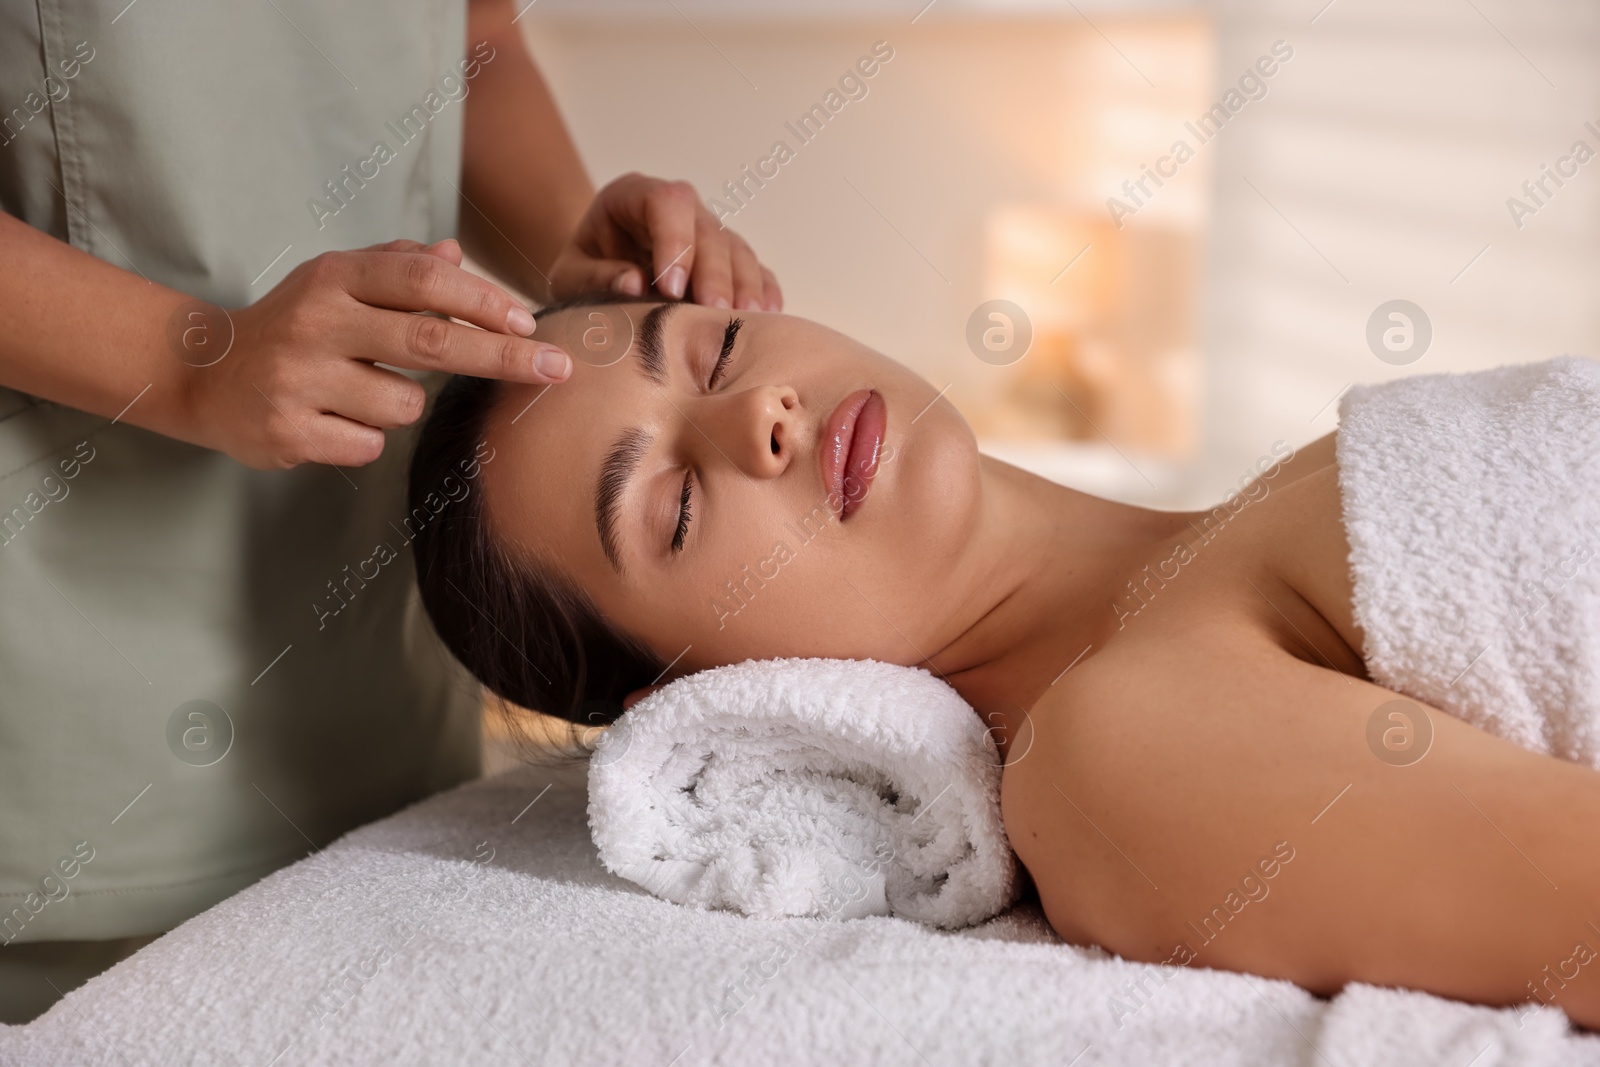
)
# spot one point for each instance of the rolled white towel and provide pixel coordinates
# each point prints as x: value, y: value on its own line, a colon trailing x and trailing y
x: 806, y: 787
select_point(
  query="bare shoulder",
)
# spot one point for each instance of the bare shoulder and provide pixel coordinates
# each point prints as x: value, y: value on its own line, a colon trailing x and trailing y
x: 1309, y: 459
x: 1219, y: 802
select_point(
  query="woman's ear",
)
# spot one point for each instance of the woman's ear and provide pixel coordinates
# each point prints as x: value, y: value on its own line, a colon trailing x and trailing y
x: 637, y: 695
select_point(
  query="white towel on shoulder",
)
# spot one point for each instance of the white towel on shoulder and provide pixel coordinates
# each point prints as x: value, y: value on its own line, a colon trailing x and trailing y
x: 1472, y: 506
x: 806, y: 787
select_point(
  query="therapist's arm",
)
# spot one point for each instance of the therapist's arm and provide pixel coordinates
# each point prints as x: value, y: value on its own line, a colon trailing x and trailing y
x: 530, y: 214
x: 292, y: 378
x: 524, y: 189
x: 86, y: 334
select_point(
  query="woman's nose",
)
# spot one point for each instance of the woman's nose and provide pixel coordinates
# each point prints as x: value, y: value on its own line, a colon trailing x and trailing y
x: 755, y: 429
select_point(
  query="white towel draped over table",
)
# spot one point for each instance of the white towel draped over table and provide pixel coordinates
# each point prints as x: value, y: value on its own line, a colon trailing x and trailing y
x: 474, y: 928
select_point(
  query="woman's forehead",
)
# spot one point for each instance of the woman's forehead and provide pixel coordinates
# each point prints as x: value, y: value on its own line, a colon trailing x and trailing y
x: 556, y: 436
x: 548, y: 443
x: 597, y: 334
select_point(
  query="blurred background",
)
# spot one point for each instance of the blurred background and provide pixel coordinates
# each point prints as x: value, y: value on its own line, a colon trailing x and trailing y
x: 1172, y: 311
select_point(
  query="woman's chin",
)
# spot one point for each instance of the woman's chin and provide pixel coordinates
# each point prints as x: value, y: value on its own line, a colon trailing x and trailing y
x: 934, y: 482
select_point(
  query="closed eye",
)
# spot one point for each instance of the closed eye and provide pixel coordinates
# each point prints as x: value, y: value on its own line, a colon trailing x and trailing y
x: 683, y: 515
x: 686, y: 496
x: 726, y: 355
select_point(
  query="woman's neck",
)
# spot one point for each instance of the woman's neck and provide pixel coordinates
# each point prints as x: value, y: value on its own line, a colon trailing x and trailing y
x: 1049, y: 563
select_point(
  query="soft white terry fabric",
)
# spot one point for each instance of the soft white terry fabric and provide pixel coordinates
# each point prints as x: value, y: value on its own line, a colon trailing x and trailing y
x: 479, y: 927
x: 1472, y: 506
x: 806, y: 787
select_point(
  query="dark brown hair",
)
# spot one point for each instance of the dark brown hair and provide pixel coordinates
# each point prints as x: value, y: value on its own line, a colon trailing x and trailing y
x: 523, y: 629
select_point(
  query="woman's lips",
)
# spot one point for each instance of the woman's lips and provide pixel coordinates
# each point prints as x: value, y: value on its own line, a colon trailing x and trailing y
x: 852, y: 438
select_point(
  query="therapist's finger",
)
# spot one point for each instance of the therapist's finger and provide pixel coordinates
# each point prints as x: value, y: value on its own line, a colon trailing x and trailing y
x: 774, y: 295
x: 670, y: 211
x: 323, y: 438
x: 749, y: 287
x: 576, y: 273
x: 713, y: 269
x: 416, y: 281
x: 448, y: 249
x: 372, y: 395
x: 402, y: 244
x: 425, y: 342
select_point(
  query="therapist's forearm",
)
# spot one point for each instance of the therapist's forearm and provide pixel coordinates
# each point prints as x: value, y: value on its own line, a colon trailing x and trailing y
x: 86, y: 334
x: 524, y: 187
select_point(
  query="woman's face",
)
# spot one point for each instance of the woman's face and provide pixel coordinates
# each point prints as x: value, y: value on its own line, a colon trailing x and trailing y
x: 739, y: 485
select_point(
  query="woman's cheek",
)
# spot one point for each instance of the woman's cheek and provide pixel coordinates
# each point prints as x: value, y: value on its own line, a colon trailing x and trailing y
x: 739, y: 599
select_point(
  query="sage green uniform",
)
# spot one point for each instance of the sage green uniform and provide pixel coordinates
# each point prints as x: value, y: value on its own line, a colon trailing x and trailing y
x: 194, y: 143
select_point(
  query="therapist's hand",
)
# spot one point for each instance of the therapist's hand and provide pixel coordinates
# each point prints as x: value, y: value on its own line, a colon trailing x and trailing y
x: 299, y: 384
x: 641, y: 232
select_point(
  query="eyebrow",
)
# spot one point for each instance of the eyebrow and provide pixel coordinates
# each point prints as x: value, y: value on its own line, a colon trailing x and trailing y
x: 616, y: 470
x: 627, y: 452
x: 652, y: 359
